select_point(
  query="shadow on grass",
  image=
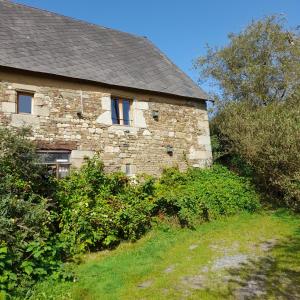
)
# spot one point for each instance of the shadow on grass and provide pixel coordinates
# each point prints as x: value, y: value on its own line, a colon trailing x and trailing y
x: 274, y: 276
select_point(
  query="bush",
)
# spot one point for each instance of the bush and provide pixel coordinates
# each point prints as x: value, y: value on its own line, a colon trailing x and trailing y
x: 27, y: 250
x: 98, y: 210
x: 267, y: 141
x: 204, y: 194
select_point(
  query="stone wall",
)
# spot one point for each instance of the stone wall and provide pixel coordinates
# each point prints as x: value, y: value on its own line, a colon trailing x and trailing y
x: 55, y: 123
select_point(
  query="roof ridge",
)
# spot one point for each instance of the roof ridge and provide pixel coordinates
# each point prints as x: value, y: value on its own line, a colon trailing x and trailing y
x: 72, y: 18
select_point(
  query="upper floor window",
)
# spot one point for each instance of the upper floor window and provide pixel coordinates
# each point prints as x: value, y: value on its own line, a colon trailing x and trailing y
x: 24, y: 103
x: 121, y: 111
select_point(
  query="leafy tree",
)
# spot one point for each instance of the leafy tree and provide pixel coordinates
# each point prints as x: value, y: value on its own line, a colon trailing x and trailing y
x: 260, y: 64
x: 256, y: 126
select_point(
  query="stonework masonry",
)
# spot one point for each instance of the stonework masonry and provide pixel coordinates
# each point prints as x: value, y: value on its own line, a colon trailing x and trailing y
x: 76, y: 116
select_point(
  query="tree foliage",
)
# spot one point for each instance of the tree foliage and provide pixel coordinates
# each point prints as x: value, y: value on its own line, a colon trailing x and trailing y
x: 268, y: 141
x: 260, y: 64
x: 257, y: 119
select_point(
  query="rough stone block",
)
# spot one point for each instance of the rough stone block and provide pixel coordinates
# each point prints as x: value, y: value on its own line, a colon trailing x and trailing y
x: 8, y: 107
x: 78, y: 156
x: 105, y: 118
x: 142, y: 105
x: 196, y: 154
x: 203, y: 140
x: 146, y: 132
x: 24, y: 87
x: 41, y: 111
x: 139, y: 119
x: 23, y: 120
x: 111, y: 149
x: 106, y: 102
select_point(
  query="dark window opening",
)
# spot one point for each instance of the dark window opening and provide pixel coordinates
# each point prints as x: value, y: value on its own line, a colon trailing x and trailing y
x: 115, y: 112
x: 121, y: 111
x: 57, y: 161
x: 126, y: 112
x: 24, y: 103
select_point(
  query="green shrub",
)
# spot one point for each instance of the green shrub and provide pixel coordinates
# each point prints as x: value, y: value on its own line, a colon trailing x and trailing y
x: 204, y: 194
x: 98, y: 210
x: 27, y: 249
x: 267, y: 141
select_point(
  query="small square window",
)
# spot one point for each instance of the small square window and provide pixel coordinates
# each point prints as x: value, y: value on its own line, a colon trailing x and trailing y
x: 24, y: 103
x: 121, y: 111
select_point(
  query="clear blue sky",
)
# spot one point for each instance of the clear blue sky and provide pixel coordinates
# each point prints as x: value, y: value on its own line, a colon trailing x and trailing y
x: 180, y: 28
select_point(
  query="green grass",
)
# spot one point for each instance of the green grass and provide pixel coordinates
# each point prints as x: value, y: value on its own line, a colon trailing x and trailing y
x: 117, y: 274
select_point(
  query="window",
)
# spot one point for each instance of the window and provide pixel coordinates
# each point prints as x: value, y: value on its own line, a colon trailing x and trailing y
x: 58, y: 161
x: 24, y: 103
x: 128, y: 169
x: 120, y: 111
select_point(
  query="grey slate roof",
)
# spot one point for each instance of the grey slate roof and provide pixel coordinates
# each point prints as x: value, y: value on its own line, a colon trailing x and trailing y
x: 40, y: 41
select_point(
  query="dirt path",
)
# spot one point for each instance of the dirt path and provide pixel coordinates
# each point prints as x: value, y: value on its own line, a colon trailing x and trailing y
x: 249, y: 288
x: 245, y: 274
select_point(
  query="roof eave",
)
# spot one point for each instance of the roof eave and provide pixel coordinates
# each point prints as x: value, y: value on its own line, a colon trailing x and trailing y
x: 104, y: 84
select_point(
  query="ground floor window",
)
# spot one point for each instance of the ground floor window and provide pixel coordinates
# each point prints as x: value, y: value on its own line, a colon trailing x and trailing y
x: 57, y: 161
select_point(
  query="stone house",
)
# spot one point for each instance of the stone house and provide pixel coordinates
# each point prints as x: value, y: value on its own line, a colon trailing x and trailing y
x: 86, y: 89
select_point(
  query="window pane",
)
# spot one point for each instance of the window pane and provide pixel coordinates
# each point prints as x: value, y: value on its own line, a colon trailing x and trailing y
x: 63, y: 171
x: 126, y: 111
x: 128, y: 169
x: 24, y: 103
x: 54, y: 157
x: 58, y: 162
x: 115, y: 114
